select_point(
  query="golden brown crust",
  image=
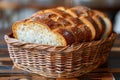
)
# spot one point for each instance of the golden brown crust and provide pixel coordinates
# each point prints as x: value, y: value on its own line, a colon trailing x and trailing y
x: 76, y: 24
x: 78, y: 34
x: 95, y: 26
x: 64, y: 22
x: 49, y: 22
x: 106, y: 20
x: 86, y: 33
x: 14, y: 29
x: 81, y: 11
x: 76, y: 13
x: 100, y: 23
x: 15, y: 26
x: 69, y: 37
x: 89, y: 25
x: 58, y: 12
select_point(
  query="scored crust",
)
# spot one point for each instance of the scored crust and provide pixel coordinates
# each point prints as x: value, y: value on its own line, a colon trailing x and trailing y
x: 73, y: 23
x: 85, y: 21
x: 61, y: 27
x: 104, y: 25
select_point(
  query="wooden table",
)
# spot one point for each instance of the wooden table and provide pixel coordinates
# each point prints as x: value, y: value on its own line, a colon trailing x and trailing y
x: 108, y: 71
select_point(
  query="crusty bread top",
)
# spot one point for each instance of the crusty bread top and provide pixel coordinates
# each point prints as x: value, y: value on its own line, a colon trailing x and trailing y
x: 77, y: 24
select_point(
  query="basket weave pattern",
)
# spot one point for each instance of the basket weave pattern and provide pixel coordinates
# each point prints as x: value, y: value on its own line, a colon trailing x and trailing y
x: 67, y: 61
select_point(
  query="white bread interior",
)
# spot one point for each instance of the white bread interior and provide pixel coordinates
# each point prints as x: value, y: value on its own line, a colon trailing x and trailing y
x: 34, y: 32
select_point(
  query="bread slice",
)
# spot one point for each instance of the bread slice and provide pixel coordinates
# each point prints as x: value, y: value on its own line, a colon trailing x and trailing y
x: 107, y: 22
x: 39, y: 32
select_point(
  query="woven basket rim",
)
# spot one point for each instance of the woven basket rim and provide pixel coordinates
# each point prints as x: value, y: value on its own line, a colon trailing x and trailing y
x: 75, y: 46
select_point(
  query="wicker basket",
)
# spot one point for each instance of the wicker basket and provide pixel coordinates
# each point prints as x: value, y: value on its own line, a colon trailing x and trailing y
x: 59, y: 62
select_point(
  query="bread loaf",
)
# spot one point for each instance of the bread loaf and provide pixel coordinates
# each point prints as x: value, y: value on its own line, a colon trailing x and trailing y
x: 60, y: 26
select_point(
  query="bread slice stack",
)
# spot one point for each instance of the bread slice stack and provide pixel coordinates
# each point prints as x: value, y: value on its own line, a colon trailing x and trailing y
x: 61, y: 26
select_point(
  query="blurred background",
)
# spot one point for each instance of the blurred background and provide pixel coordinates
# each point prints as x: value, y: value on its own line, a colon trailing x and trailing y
x: 14, y: 10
